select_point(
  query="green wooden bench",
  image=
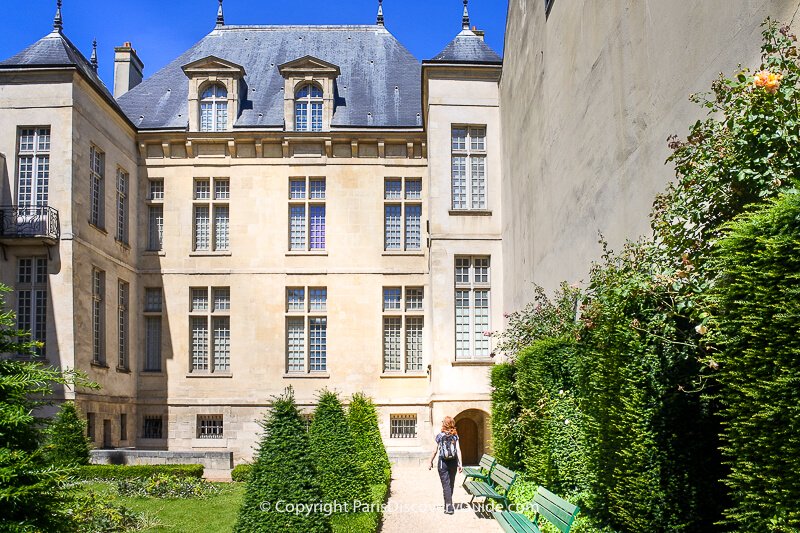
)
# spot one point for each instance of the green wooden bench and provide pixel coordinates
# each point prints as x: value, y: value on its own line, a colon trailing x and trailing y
x: 484, y: 469
x: 547, y: 505
x: 500, y: 479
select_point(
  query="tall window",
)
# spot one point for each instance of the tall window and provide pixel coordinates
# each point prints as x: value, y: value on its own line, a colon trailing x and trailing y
x: 402, y: 209
x: 308, y: 108
x: 472, y: 307
x: 97, y: 172
x: 34, y: 167
x: 153, y: 303
x: 306, y: 214
x: 122, y: 206
x: 123, y: 295
x: 214, y: 108
x: 211, y: 214
x: 211, y: 329
x: 32, y: 299
x: 98, y: 316
x: 402, y: 329
x: 155, y: 215
x: 306, y: 329
x: 469, y: 167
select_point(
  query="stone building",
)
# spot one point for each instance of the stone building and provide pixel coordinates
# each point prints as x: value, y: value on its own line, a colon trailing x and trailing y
x: 305, y: 206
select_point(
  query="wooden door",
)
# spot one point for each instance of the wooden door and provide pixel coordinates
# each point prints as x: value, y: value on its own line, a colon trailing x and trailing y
x: 468, y: 438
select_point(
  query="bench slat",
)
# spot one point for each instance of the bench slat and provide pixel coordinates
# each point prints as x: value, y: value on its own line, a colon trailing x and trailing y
x: 503, y: 477
x: 515, y: 522
x: 555, y: 510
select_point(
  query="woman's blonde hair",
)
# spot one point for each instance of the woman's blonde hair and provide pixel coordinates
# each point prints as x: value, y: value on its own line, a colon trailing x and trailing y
x: 449, y: 425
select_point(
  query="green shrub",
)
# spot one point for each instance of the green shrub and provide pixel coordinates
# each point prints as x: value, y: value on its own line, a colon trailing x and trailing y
x: 66, y: 437
x: 98, y: 513
x: 115, y: 472
x: 363, y: 422
x: 165, y: 486
x: 342, y: 479
x: 284, y: 470
x: 505, y: 416
x: 241, y: 473
x: 757, y: 311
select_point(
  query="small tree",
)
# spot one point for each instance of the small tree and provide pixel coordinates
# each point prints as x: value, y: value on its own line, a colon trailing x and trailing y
x: 284, y: 472
x: 66, y: 438
x: 363, y: 421
x: 341, y: 477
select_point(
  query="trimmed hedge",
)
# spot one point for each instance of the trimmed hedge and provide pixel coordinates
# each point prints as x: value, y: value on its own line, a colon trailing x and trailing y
x: 241, y: 473
x: 67, y: 443
x: 363, y: 421
x: 505, y: 414
x: 284, y: 471
x: 342, y: 478
x: 115, y: 472
x: 756, y: 302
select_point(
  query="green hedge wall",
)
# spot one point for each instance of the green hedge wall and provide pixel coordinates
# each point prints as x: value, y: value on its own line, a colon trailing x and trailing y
x: 757, y: 306
x: 505, y: 413
x: 114, y: 472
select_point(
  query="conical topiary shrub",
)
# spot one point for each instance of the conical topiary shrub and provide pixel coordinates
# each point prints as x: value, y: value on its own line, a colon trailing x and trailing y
x: 67, y: 443
x: 363, y: 421
x: 283, y: 472
x: 341, y: 477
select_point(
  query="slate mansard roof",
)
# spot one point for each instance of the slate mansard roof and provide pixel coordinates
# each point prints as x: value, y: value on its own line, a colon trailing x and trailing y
x: 54, y: 50
x: 379, y: 85
x: 467, y: 47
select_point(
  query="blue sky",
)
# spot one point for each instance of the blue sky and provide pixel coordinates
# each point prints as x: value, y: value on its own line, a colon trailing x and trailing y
x: 160, y: 30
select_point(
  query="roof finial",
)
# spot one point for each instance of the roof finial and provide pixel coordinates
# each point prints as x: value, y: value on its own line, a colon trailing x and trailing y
x: 58, y: 22
x: 380, y: 12
x: 220, y: 15
x: 465, y: 18
x: 93, y: 59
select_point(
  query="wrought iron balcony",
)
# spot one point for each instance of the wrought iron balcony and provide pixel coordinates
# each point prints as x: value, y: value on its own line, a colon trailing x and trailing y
x: 29, y: 224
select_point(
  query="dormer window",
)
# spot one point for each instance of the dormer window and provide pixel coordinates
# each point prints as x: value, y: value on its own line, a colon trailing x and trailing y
x: 308, y: 108
x: 309, y: 86
x: 215, y: 86
x: 214, y: 108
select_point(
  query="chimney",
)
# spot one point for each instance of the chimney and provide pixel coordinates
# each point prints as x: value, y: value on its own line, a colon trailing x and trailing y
x: 128, y: 69
x: 479, y: 33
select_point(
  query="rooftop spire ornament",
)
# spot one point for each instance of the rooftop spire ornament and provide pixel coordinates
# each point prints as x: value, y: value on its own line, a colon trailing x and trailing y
x: 93, y: 59
x: 58, y: 22
x: 220, y: 15
x: 465, y: 18
x: 380, y: 13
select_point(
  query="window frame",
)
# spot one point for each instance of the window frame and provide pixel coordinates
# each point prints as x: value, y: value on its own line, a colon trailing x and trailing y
x: 404, y: 202
x: 36, y: 303
x: 97, y: 175
x: 217, y: 105
x: 147, y: 433
x: 398, y: 429
x: 219, y: 241
x: 98, y: 289
x: 123, y: 325
x: 406, y: 315
x: 469, y: 154
x: 210, y: 427
x: 153, y: 315
x: 123, y: 185
x: 38, y: 172
x: 155, y: 205
x: 472, y: 286
x: 210, y: 315
x: 293, y: 316
x: 307, y: 104
x: 306, y: 200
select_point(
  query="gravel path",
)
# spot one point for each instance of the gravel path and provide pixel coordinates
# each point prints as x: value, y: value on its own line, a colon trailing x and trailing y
x: 416, y: 506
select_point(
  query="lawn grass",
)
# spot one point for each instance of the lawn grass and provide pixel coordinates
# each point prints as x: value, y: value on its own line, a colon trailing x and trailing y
x: 216, y: 513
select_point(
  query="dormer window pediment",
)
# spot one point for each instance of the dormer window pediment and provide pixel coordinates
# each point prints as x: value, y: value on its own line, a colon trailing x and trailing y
x: 308, y: 93
x: 214, y: 85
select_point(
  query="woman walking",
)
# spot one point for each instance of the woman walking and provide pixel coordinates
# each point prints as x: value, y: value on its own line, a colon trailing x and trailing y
x: 449, y: 452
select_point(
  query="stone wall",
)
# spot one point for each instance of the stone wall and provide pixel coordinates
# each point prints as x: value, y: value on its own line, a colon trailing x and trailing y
x: 589, y: 96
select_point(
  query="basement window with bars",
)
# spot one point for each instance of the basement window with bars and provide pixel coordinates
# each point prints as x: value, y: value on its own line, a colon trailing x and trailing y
x: 403, y: 426
x: 209, y: 427
x: 152, y: 427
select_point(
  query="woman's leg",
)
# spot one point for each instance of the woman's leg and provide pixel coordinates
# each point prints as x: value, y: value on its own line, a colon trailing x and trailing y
x: 453, y: 470
x: 447, y: 486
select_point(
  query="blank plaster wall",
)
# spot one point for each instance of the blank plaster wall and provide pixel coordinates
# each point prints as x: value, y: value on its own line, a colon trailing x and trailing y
x: 589, y: 96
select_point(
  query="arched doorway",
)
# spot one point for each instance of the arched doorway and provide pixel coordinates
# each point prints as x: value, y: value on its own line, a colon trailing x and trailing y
x: 472, y: 426
x: 468, y: 438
